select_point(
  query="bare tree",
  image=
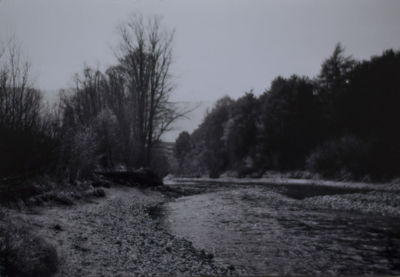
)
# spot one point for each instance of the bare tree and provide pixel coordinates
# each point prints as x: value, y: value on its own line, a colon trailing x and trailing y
x: 27, y: 137
x: 145, y: 56
x: 82, y: 103
x: 20, y: 103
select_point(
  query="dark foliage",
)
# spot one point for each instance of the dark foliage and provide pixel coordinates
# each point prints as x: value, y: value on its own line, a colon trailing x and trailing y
x: 28, y: 144
x: 143, y: 177
x: 23, y: 253
x: 370, y: 110
x: 290, y: 121
x: 183, y: 146
x: 342, y: 124
x: 347, y: 157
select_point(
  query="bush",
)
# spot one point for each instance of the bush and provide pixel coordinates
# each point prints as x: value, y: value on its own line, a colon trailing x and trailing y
x: 143, y: 177
x: 17, y: 189
x: 95, y: 192
x: 27, y: 129
x: 345, y: 158
x: 25, y: 254
x: 79, y: 153
x: 64, y: 198
x: 160, y: 164
x: 60, y: 197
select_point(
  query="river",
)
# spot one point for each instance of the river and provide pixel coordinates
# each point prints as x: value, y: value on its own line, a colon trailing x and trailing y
x: 267, y: 229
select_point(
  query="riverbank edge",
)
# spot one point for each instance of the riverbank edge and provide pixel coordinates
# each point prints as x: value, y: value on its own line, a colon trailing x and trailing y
x: 34, y: 219
x: 278, y: 180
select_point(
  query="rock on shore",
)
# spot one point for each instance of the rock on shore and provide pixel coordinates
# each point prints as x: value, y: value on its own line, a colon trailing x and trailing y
x: 117, y: 237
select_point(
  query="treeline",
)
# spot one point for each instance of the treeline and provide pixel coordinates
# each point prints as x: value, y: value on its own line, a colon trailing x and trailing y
x: 106, y: 120
x: 27, y: 134
x: 341, y: 124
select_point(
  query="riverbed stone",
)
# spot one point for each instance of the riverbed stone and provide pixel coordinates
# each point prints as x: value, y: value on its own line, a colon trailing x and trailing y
x: 117, y: 236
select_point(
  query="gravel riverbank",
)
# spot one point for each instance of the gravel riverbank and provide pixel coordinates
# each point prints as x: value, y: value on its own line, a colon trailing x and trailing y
x: 116, y: 236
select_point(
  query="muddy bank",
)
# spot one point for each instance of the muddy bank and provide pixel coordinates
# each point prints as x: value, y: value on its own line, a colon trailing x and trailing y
x: 116, y: 236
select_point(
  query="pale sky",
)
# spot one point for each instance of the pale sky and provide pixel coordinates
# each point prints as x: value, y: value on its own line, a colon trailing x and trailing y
x: 221, y: 47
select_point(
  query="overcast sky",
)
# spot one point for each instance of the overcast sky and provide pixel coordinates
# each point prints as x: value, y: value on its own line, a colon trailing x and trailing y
x: 222, y: 47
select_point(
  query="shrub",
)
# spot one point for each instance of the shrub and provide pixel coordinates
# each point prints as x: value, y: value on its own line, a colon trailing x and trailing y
x: 64, y: 198
x: 160, y: 163
x: 79, y: 152
x: 60, y: 197
x: 95, y: 192
x: 344, y: 158
x: 27, y: 130
x: 25, y: 254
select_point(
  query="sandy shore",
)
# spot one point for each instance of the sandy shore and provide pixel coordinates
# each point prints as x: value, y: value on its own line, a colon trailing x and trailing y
x: 115, y: 236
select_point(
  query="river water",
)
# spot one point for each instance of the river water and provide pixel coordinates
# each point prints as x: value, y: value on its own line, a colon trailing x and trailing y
x: 284, y: 229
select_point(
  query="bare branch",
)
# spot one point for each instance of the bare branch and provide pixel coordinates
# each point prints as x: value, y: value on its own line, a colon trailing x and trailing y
x: 145, y: 56
x: 19, y: 103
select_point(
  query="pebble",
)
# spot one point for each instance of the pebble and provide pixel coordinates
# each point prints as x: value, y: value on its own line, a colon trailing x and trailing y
x: 136, y: 245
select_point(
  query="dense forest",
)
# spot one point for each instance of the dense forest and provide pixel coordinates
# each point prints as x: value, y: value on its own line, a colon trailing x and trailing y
x: 342, y: 124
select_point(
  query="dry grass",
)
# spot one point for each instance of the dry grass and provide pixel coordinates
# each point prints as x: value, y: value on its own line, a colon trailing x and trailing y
x: 23, y: 253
